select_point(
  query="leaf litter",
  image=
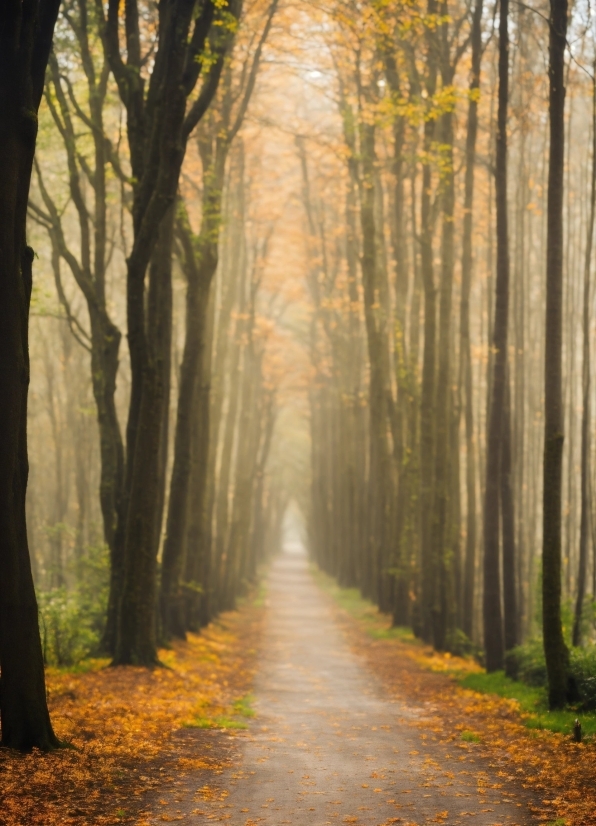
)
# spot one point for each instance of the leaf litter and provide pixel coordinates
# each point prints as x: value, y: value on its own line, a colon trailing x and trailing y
x: 560, y: 775
x: 120, y: 726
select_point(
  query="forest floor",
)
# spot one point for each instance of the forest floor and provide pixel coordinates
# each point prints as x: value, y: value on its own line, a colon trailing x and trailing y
x: 130, y: 730
x: 353, y: 723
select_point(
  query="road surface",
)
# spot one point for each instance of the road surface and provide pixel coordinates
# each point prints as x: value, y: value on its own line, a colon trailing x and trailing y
x: 328, y: 745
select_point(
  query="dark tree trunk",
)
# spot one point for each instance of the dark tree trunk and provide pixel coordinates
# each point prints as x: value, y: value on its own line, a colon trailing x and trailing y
x: 104, y: 367
x: 508, y: 528
x: 199, y: 271
x: 379, y: 452
x: 493, y: 616
x: 25, y: 40
x: 136, y: 638
x: 159, y: 122
x: 555, y: 650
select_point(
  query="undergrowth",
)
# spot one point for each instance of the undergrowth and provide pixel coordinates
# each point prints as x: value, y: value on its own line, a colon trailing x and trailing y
x: 532, y: 701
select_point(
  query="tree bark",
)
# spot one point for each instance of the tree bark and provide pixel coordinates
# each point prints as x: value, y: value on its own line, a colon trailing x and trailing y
x: 25, y: 41
x: 465, y: 347
x: 493, y: 616
x: 159, y: 122
x: 555, y: 650
x: 427, y: 396
x: 136, y: 638
x: 585, y: 517
x: 443, y: 613
x: 199, y: 271
x: 511, y: 638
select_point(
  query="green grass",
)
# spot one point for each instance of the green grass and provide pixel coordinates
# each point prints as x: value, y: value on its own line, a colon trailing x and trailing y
x: 221, y: 721
x: 83, y: 667
x: 242, y: 707
x: 375, y: 623
x: 532, y: 703
x: 261, y: 594
x: 470, y: 737
x: 394, y: 633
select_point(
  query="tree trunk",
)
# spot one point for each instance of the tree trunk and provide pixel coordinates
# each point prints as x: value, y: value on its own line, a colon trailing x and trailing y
x: 199, y: 582
x: 555, y: 650
x: 199, y: 272
x: 585, y: 518
x: 493, y: 617
x: 466, y: 384
x: 443, y: 615
x: 379, y: 452
x: 508, y: 528
x: 427, y: 396
x: 136, y: 638
x: 25, y: 41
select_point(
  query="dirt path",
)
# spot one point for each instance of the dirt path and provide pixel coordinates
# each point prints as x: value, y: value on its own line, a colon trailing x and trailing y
x: 327, y: 745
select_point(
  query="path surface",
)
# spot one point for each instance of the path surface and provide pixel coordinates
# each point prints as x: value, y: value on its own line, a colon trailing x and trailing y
x: 327, y: 745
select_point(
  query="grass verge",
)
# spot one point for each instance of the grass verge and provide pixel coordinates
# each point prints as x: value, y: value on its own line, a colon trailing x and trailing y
x: 532, y: 702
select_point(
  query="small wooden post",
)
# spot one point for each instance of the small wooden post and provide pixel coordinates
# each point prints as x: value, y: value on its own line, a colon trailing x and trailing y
x: 577, y: 731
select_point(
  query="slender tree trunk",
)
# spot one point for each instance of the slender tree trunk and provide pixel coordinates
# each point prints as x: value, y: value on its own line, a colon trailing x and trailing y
x: 222, y: 508
x: 584, y: 527
x: 493, y: 617
x: 557, y: 656
x: 427, y: 397
x: 198, y: 563
x: 511, y: 637
x: 379, y: 452
x: 443, y: 614
x: 466, y: 384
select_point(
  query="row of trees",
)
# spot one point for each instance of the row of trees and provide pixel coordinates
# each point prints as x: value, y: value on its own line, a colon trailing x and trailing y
x: 139, y: 161
x: 443, y: 343
x: 394, y: 312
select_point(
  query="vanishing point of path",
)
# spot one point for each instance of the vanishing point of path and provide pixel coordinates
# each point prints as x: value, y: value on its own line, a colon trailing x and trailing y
x: 329, y: 746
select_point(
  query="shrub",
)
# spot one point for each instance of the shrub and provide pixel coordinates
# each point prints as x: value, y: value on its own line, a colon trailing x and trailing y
x: 526, y: 663
x: 66, y: 634
x: 71, y: 621
x: 583, y: 668
x: 461, y: 645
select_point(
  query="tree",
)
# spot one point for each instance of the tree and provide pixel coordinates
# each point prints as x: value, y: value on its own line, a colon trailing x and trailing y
x: 71, y: 115
x: 201, y: 258
x: 585, y: 516
x: 555, y: 650
x: 26, y: 30
x: 464, y: 324
x: 493, y: 622
x: 162, y: 111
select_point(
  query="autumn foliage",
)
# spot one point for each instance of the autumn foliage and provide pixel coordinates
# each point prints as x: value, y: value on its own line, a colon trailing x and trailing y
x: 119, y: 726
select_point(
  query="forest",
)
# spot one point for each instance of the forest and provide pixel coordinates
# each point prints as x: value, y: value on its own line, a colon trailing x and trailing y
x: 297, y: 336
